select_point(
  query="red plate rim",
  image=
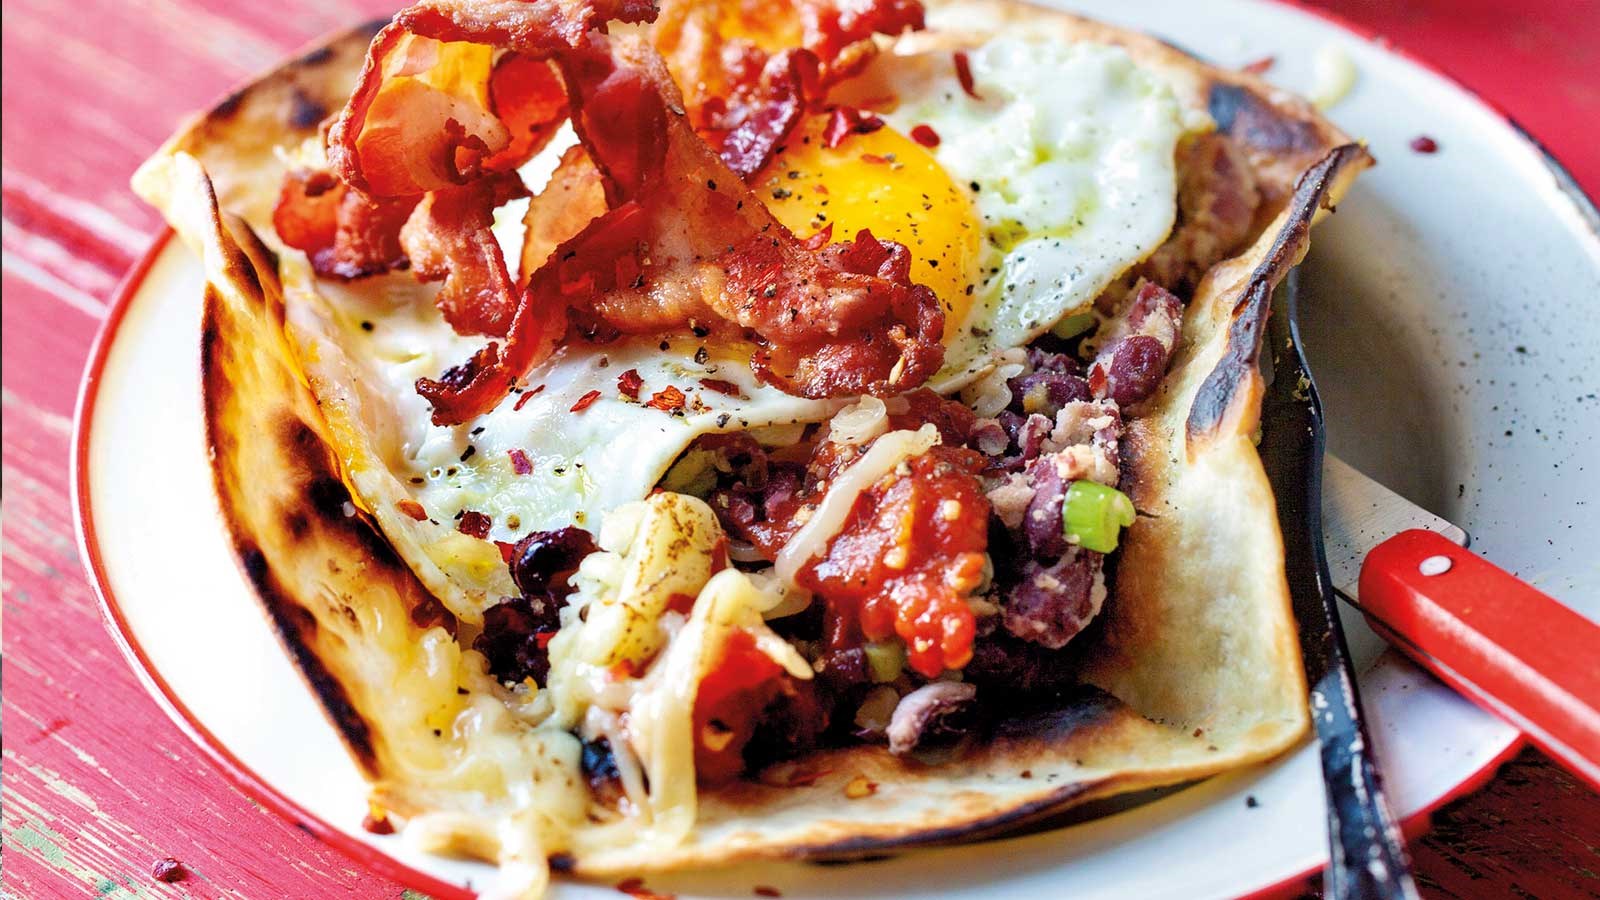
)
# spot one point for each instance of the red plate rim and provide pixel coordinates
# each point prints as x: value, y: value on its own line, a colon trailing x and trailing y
x: 246, y: 779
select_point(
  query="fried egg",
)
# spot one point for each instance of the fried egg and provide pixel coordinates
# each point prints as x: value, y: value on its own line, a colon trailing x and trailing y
x: 1068, y: 151
x: 1019, y: 206
x: 886, y: 182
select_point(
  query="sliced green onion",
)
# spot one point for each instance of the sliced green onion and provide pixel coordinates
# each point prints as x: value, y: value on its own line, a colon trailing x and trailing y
x: 1073, y: 325
x: 1093, y: 515
x: 885, y: 660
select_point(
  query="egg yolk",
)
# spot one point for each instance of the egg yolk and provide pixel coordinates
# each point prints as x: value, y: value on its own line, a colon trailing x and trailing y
x: 888, y: 184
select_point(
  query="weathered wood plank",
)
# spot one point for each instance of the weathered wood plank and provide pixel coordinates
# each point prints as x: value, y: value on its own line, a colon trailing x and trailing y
x: 98, y: 785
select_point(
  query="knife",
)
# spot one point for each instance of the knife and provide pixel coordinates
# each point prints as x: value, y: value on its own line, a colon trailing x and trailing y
x: 1513, y: 650
x: 1366, y: 852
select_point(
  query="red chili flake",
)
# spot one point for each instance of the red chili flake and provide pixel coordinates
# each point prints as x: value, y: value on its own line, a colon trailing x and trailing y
x: 412, y: 508
x: 820, y: 239
x: 874, y: 159
x: 474, y: 524
x: 634, y: 887
x: 680, y: 603
x: 846, y: 121
x: 925, y: 135
x: 520, y: 463
x: 1259, y: 66
x: 586, y: 401
x: 821, y: 189
x: 629, y: 383
x: 964, y: 74
x: 526, y: 396
x: 667, y: 399
x: 1424, y: 144
x: 720, y: 386
x: 766, y: 890
x: 507, y: 550
x: 168, y: 870
x: 543, y: 638
x: 377, y: 824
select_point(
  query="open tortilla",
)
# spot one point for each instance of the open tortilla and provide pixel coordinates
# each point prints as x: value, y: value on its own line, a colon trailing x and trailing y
x: 1193, y: 670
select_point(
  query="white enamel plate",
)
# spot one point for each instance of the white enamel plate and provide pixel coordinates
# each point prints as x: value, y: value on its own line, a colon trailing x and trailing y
x: 1452, y: 310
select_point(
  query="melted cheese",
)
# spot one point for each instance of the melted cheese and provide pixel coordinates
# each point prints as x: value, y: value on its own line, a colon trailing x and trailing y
x: 652, y: 552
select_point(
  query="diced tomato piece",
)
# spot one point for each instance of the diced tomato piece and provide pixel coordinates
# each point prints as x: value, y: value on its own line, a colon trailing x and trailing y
x: 909, y: 555
x: 728, y: 705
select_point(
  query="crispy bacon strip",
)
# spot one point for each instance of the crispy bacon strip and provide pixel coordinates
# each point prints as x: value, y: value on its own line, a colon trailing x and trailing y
x: 541, y: 28
x: 682, y: 239
x: 685, y: 240
x: 423, y: 122
x: 574, y: 197
x: 418, y: 119
x: 448, y: 238
x: 760, y: 118
x: 842, y: 320
x: 430, y: 68
x: 527, y: 95
x: 836, y: 30
x: 436, y: 118
x: 345, y: 233
x: 744, y: 94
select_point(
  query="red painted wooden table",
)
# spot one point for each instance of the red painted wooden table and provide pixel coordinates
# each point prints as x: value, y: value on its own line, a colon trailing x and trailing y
x: 99, y: 785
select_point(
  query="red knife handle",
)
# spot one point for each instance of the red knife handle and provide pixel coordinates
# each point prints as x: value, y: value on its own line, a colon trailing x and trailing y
x: 1518, y: 652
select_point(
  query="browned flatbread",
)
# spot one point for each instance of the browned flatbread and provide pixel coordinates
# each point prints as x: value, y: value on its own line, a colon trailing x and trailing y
x: 1193, y: 670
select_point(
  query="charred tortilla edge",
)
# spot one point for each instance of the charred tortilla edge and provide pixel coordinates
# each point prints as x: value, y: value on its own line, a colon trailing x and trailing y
x: 1220, y: 392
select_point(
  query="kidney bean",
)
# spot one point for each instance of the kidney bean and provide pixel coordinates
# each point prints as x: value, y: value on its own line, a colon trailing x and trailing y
x: 545, y: 560
x: 1046, y: 392
x: 1052, y: 602
x: 1041, y: 524
x: 1130, y: 370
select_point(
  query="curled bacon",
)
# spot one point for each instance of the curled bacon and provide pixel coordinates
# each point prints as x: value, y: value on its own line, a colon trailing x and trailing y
x: 437, y: 124
x: 345, y: 233
x: 448, y: 238
x: 526, y: 94
x: 686, y: 240
x: 420, y: 119
x: 573, y: 197
x: 763, y: 115
x: 836, y: 30
x: 681, y: 238
x: 844, y: 319
x: 744, y: 97
x: 417, y: 121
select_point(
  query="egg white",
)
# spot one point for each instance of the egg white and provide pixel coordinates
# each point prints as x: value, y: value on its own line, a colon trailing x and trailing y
x: 1071, y: 148
x: 584, y: 463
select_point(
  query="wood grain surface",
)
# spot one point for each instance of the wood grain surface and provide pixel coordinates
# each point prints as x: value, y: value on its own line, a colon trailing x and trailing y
x: 98, y: 785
